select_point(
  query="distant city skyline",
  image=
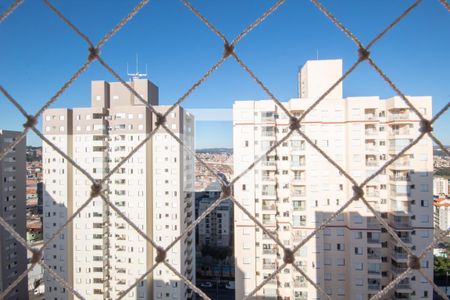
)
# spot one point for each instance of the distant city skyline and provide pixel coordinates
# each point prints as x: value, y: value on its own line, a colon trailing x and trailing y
x: 43, y: 53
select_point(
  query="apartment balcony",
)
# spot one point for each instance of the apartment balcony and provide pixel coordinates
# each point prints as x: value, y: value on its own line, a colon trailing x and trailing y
x: 400, y: 207
x: 121, y: 237
x: 299, y: 284
x: 401, y: 224
x: 405, y: 239
x: 371, y: 147
x: 269, y: 266
x: 399, y: 116
x: 370, y: 117
x: 400, y: 256
x: 403, y: 286
x: 373, y: 253
x: 401, y: 132
x: 373, y: 240
x: 371, y: 163
x: 297, y: 165
x: 268, y: 178
x: 374, y: 286
x: 401, y: 164
x: 400, y: 194
x: 268, y: 134
x: 372, y: 194
x: 398, y: 270
x: 271, y: 251
x: 121, y: 282
x: 269, y: 194
x: 374, y: 272
x: 268, y: 118
x: 298, y: 180
x: 300, y: 208
x: 297, y: 148
x: 270, y: 164
x: 121, y: 248
x: 269, y: 222
x: 370, y: 132
x: 373, y: 224
x: 399, y: 178
x: 401, y: 297
x: 297, y: 193
x: 269, y: 207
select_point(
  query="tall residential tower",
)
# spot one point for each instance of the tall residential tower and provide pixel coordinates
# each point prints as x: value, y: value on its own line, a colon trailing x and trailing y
x: 13, y: 210
x: 99, y: 254
x: 294, y: 189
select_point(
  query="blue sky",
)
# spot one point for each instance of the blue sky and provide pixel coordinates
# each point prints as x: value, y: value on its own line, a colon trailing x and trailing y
x: 38, y: 52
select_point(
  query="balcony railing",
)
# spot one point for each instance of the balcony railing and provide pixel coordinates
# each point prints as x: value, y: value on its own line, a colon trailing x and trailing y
x: 370, y: 117
x: 373, y: 240
x: 371, y: 132
x: 371, y: 147
x: 297, y: 164
x: 400, y: 132
x: 371, y: 163
x: 299, y: 208
x: 406, y: 239
x: 269, y: 207
x: 269, y: 266
x: 400, y: 163
x: 398, y: 270
x: 299, y: 284
x: 374, y: 287
x: 268, y: 163
x: 373, y: 255
x: 269, y: 251
x: 268, y: 222
x: 400, y: 255
x: 399, y: 178
x: 401, y: 116
x: 298, y: 193
x: 372, y: 193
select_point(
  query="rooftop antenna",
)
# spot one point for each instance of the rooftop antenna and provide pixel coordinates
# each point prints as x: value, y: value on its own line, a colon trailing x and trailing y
x: 137, y: 75
x: 317, y: 54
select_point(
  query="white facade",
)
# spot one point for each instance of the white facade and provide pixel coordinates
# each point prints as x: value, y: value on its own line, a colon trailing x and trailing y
x: 295, y: 189
x: 215, y: 229
x: 440, y: 186
x: 442, y: 214
x: 12, y: 210
x: 154, y: 189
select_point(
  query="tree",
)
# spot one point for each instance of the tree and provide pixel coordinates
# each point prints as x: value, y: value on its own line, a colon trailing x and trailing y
x: 443, y: 172
x: 441, y: 265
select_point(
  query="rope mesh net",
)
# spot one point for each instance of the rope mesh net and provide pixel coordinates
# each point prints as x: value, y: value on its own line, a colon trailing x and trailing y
x: 229, y: 51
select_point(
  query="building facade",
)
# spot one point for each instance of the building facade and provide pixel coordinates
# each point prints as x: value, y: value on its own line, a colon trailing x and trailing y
x: 441, y: 213
x: 294, y: 189
x: 440, y: 186
x: 13, y: 210
x: 215, y: 230
x: 99, y: 254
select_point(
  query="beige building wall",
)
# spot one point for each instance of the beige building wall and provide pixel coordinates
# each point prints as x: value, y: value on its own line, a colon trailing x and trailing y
x: 13, y: 210
x: 100, y: 137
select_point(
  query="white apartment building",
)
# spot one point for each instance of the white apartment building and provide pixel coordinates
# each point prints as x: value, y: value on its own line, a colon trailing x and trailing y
x: 13, y: 210
x: 294, y: 189
x: 99, y: 254
x: 441, y: 214
x: 440, y: 186
x: 216, y: 228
